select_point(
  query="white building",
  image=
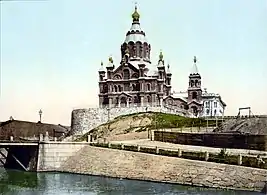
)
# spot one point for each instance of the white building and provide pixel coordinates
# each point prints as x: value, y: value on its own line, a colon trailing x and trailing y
x: 213, y: 105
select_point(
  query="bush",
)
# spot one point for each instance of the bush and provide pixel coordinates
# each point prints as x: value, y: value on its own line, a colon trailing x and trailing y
x: 148, y: 150
x: 131, y: 148
x: 115, y: 146
x: 104, y: 145
x: 168, y: 153
x: 194, y: 155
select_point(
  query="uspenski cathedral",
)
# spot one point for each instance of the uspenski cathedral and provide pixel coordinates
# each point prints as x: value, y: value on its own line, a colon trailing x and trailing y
x: 136, y: 82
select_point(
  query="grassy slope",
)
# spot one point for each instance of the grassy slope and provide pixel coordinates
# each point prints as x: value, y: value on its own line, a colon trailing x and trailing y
x: 144, y: 121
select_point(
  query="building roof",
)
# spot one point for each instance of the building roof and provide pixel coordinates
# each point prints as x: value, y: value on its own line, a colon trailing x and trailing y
x: 181, y: 95
x: 21, y: 129
x: 194, y: 70
x: 207, y: 95
x: 135, y: 38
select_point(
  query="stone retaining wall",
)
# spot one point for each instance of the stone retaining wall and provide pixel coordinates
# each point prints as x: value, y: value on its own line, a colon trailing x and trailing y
x: 134, y: 165
x: 83, y: 120
x: 52, y: 154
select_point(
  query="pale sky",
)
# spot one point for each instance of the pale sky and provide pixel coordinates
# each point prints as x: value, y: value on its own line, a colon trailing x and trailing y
x: 51, y: 50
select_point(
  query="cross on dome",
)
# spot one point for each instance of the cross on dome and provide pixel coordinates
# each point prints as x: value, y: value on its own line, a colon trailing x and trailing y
x: 135, y: 15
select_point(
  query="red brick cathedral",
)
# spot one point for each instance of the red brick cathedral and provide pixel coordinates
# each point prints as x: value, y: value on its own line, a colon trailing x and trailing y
x: 138, y: 82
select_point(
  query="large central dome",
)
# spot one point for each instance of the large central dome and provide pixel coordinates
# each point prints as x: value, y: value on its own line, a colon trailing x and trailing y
x: 135, y: 42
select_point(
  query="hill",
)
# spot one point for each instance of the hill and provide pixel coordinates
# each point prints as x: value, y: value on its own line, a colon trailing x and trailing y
x: 142, y: 122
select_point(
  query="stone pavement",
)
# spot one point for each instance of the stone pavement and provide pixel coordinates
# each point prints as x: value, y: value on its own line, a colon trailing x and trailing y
x: 135, y: 165
x: 171, y: 146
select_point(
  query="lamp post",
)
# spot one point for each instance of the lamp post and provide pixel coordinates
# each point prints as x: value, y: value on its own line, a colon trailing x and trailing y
x: 40, y: 114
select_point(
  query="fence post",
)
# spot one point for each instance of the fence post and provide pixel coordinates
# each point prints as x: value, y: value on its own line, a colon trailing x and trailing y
x: 152, y: 135
x: 138, y: 148
x: 11, y: 138
x: 206, y: 156
x: 122, y: 146
x: 89, y: 138
x: 109, y: 145
x: 157, y: 149
x: 179, y: 152
x: 46, y: 138
x: 239, y: 161
x: 55, y: 139
x: 41, y: 137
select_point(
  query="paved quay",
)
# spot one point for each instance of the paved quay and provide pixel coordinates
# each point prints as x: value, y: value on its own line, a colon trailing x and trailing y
x: 134, y: 165
x: 171, y: 146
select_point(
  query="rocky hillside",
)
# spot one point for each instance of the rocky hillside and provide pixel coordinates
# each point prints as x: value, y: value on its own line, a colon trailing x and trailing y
x: 141, y: 122
x: 257, y: 126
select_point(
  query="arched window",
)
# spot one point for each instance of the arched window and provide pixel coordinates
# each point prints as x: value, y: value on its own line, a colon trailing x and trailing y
x: 119, y: 88
x: 145, y: 50
x: 117, y: 77
x: 135, y: 75
x: 115, y: 88
x: 105, y: 88
x: 196, y: 83
x: 207, y: 111
x: 131, y: 48
x: 148, y: 87
x: 126, y: 74
x: 138, y: 49
x: 194, y: 95
x: 133, y: 87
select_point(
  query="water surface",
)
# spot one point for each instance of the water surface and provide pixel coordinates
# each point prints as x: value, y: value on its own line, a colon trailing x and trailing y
x: 27, y: 183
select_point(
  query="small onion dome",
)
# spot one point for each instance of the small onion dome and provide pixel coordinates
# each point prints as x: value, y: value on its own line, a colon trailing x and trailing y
x: 161, y: 61
x: 135, y: 15
x: 168, y: 70
x: 101, y: 69
x: 110, y: 63
x: 160, y: 56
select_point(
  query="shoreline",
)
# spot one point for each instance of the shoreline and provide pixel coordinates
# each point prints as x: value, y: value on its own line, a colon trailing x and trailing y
x: 156, y: 181
x: 118, y: 164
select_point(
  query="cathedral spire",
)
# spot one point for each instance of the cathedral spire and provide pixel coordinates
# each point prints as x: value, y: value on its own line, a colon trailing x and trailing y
x: 194, y: 68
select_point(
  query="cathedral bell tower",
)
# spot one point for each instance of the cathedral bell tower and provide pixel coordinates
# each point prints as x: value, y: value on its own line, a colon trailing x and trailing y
x: 194, y: 90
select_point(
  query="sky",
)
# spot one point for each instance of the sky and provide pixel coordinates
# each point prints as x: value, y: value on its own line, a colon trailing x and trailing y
x: 51, y: 50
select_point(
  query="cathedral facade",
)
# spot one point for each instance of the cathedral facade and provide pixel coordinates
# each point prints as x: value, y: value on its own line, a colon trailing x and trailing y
x: 136, y: 82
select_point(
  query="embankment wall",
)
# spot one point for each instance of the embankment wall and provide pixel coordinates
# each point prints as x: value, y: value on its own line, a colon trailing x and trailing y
x: 83, y: 120
x: 51, y: 155
x: 141, y: 166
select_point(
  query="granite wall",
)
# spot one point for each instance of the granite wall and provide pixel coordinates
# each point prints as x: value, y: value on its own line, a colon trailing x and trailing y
x: 52, y: 154
x: 83, y: 120
x: 141, y: 166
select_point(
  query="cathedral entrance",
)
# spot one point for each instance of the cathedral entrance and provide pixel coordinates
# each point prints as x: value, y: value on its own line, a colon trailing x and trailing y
x: 123, y: 102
